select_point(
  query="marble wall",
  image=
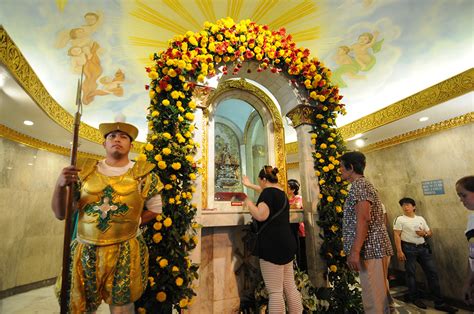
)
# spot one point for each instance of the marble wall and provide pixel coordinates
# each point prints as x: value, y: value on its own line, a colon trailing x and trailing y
x: 398, y: 172
x: 31, y: 236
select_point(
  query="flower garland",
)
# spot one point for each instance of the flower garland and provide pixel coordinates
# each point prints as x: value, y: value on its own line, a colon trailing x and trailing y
x: 193, y: 57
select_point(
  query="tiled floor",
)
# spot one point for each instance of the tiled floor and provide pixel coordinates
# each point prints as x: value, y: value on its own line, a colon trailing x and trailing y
x: 43, y: 301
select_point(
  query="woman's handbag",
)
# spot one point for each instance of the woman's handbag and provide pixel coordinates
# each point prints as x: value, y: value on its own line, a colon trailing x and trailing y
x: 251, y: 239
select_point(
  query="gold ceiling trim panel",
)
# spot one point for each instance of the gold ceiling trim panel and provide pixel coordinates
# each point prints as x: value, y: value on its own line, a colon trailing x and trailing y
x: 207, y: 9
x: 262, y: 8
x: 297, y: 12
x: 451, y: 88
x: 233, y: 8
x: 182, y: 11
x: 18, y: 137
x: 146, y: 42
x: 150, y: 15
x: 291, y: 148
x: 426, y: 131
x: 307, y: 34
x: 17, y: 65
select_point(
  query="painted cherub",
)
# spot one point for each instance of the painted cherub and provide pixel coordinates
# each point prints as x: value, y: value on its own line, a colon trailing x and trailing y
x: 362, y: 56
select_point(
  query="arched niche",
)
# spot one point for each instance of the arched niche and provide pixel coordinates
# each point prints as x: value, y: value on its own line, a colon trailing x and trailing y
x: 260, y: 144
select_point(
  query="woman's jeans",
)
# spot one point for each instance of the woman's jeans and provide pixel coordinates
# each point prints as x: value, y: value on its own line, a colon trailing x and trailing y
x: 421, y: 253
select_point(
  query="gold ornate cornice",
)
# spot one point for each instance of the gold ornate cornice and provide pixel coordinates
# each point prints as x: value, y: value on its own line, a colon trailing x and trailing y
x: 426, y: 131
x: 292, y: 165
x: 451, y: 88
x: 291, y: 148
x: 15, y: 136
x: 301, y: 114
x: 18, y: 66
x: 279, y: 133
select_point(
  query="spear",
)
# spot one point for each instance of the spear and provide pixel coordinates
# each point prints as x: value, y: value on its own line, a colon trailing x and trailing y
x: 64, y: 298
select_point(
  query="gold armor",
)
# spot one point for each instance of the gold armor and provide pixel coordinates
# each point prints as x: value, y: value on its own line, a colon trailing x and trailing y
x: 110, y: 207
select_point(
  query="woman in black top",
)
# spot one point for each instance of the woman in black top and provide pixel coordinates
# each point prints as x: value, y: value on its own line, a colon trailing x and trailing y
x: 276, y: 244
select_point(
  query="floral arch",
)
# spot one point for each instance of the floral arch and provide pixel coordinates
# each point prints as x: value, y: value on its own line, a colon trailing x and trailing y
x: 190, y: 59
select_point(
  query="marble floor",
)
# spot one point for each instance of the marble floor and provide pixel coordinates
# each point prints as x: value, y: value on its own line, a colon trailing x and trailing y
x: 43, y: 301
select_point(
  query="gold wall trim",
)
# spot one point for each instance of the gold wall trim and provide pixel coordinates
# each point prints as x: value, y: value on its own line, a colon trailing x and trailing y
x: 18, y: 137
x: 292, y: 165
x: 291, y: 148
x: 416, y: 134
x: 451, y: 88
x: 204, y: 158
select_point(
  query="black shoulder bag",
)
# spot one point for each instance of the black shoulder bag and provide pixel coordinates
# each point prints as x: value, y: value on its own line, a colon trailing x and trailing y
x: 251, y: 239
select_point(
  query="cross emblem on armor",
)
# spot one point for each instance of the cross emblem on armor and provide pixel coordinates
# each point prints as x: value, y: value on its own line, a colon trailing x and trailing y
x: 105, y: 209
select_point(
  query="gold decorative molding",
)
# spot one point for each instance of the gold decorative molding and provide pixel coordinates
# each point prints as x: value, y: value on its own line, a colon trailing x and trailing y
x: 426, y: 131
x: 451, y: 88
x: 301, y: 114
x: 291, y: 148
x: 278, y: 129
x: 292, y: 165
x: 18, y: 66
x: 204, y: 158
x: 18, y: 137
x: 201, y: 95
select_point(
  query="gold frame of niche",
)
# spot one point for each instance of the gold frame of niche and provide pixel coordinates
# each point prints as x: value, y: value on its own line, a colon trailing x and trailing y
x: 277, y: 121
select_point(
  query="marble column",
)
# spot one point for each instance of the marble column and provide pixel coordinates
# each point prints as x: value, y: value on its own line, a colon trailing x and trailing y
x: 310, y: 193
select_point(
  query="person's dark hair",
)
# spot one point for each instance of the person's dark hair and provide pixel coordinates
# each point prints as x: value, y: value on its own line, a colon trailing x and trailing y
x: 294, y: 185
x: 407, y: 200
x: 467, y: 183
x: 355, y: 161
x: 269, y: 173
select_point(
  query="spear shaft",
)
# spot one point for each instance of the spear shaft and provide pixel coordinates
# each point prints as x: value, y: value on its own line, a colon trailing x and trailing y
x: 64, y: 298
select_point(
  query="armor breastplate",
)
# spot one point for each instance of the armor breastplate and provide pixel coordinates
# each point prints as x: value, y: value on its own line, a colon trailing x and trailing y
x: 110, y: 207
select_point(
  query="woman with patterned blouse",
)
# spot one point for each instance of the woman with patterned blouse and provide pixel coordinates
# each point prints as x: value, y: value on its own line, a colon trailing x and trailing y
x: 366, y: 240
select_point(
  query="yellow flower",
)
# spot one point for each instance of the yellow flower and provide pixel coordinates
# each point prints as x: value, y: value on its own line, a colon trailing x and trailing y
x: 342, y: 253
x: 189, y: 158
x: 189, y: 116
x: 168, y: 186
x: 175, y: 94
x: 173, y: 177
x: 166, y: 151
x: 192, y: 104
x: 165, y: 102
x: 157, y: 237
x: 334, y: 228
x: 155, y: 113
x: 148, y: 147
x: 322, y: 181
x: 157, y: 226
x: 333, y: 268
x: 162, y: 165
x: 325, y: 169
x: 174, y: 269
x: 314, y: 135
x: 320, y: 196
x: 161, y: 296
x: 166, y: 135
x: 176, y: 166
x: 338, y: 179
x: 323, y: 146
x: 330, y: 199
x: 171, y: 200
x: 158, y: 217
x: 167, y: 222
x: 163, y: 263
x: 338, y: 209
x: 192, y: 176
x: 153, y: 75
x: 179, y: 281
x: 195, y: 239
x: 158, y: 157
x: 183, y: 303
x: 331, y: 166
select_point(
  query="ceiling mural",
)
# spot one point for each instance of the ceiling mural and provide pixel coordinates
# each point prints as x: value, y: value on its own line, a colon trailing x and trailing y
x: 379, y: 51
